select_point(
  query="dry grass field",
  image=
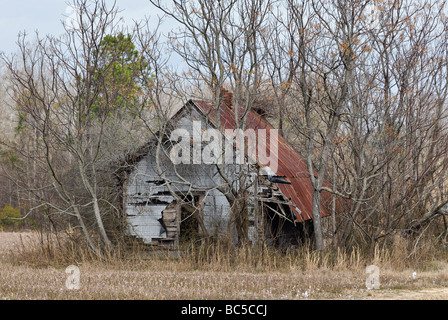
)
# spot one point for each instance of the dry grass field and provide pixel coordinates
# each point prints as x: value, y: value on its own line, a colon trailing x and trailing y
x: 164, y: 278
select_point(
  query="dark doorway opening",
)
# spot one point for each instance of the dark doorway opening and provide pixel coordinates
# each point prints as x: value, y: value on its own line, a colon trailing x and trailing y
x: 284, y: 232
x: 191, y: 218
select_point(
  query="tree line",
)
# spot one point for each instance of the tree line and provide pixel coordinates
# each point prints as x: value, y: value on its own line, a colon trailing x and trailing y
x: 361, y: 95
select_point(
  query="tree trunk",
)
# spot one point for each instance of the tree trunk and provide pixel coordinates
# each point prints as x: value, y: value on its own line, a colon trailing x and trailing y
x: 96, y: 208
x: 99, y: 221
x: 84, y: 230
x: 317, y: 221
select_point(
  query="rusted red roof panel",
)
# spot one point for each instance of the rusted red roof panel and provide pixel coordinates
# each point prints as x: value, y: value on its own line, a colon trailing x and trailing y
x: 290, y: 163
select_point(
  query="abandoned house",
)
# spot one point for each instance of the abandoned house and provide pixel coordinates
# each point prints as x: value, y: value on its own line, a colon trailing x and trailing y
x: 166, y: 204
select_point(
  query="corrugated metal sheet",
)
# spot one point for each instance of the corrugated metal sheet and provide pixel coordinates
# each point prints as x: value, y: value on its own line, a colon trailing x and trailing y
x: 290, y: 163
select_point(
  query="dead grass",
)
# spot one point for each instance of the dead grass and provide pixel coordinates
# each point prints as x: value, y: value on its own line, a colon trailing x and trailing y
x: 31, y: 269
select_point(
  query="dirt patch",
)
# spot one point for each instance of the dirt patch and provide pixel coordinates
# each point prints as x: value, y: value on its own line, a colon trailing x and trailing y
x: 420, y: 294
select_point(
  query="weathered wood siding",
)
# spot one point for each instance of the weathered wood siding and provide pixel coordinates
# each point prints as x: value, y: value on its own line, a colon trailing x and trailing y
x: 146, y: 196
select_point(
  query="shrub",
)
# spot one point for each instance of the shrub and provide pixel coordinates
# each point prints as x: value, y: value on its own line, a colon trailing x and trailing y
x: 8, y: 216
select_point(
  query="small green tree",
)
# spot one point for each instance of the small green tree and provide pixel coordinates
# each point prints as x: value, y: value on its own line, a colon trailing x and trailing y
x: 9, y: 216
x: 122, y: 71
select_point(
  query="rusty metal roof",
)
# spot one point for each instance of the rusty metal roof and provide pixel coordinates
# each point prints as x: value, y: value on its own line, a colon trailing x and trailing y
x: 290, y: 163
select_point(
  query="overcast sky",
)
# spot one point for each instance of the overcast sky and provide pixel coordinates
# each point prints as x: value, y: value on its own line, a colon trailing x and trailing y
x: 46, y: 16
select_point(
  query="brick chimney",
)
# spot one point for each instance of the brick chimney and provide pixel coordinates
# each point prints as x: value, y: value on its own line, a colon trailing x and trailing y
x: 227, y: 97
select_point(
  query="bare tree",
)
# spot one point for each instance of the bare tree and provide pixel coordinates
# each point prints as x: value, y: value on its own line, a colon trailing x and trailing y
x: 369, y: 96
x: 317, y: 67
x: 220, y: 44
x: 66, y: 96
x: 386, y: 152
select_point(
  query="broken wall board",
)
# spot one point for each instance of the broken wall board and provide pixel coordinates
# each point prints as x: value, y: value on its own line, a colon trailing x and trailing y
x: 146, y: 194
